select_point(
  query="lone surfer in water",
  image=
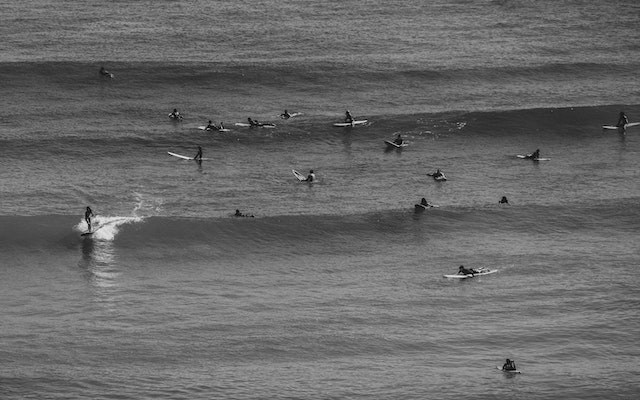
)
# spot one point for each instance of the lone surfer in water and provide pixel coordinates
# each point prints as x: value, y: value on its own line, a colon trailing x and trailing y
x: 622, y: 120
x: 198, y: 156
x: 175, y: 115
x: 285, y: 115
x: 87, y: 217
x: 398, y: 140
x: 464, y: 271
x: 509, y: 365
x: 106, y: 73
x: 347, y: 117
x: 311, y: 177
x: 535, y: 155
x: 504, y: 200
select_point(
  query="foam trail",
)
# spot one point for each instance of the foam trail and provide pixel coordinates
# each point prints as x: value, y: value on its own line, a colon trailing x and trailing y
x: 105, y: 227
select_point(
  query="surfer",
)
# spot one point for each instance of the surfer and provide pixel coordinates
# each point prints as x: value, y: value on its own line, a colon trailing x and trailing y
x: 535, y: 155
x: 424, y: 202
x: 504, y: 200
x: 104, y: 72
x: 398, y: 140
x: 509, y: 365
x: 285, y: 115
x: 437, y: 174
x: 311, y: 177
x: 239, y: 214
x: 198, y: 156
x: 463, y: 271
x: 175, y: 115
x: 210, y: 126
x: 622, y: 120
x: 253, y: 122
x: 221, y: 126
x: 87, y: 217
x: 347, y: 117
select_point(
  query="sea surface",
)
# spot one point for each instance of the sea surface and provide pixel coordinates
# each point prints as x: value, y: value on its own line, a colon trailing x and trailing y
x: 332, y: 289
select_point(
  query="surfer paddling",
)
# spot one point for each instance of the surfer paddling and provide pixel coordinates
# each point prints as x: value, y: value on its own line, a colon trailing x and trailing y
x: 87, y: 217
x: 464, y: 271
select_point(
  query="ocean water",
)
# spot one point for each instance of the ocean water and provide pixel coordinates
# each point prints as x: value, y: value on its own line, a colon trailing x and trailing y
x: 333, y: 289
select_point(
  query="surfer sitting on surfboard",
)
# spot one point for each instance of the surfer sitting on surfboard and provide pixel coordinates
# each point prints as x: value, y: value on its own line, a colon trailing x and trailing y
x: 398, y: 140
x: 285, y: 115
x: 347, y: 117
x: 509, y: 365
x: 504, y: 200
x: 311, y: 177
x: 198, y: 156
x: 622, y: 120
x: 210, y: 126
x: 87, y: 217
x: 535, y: 154
x: 104, y: 72
x: 175, y: 115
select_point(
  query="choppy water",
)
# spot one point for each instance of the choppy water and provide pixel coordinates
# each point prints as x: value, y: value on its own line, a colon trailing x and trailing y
x: 333, y: 289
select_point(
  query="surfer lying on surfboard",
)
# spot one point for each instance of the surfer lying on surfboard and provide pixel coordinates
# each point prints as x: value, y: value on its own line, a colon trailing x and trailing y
x: 463, y: 271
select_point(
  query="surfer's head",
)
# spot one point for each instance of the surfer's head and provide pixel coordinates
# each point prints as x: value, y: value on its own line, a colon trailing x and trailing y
x: 311, y: 171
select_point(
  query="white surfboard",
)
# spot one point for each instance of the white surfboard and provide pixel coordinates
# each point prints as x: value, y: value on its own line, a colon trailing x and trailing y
x: 353, y: 123
x: 396, y: 145
x: 260, y: 125
x: 481, y: 271
x: 440, y: 177
x: 291, y: 115
x: 299, y: 175
x: 204, y: 128
x: 507, y: 371
x: 533, y: 159
x: 184, y: 157
x: 629, y: 125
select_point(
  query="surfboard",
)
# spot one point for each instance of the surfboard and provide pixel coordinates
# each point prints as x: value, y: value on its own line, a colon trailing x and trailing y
x: 291, y: 115
x: 440, y: 177
x: 533, y: 159
x: 298, y: 175
x: 204, y: 128
x: 354, y: 123
x: 482, y: 271
x: 629, y: 125
x: 396, y: 145
x: 184, y: 157
x: 506, y: 371
x: 246, y: 125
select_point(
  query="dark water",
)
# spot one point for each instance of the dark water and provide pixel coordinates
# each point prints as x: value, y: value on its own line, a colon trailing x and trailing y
x: 334, y: 289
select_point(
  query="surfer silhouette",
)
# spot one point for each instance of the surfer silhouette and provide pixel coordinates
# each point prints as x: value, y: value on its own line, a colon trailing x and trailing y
x: 198, y: 156
x: 87, y: 216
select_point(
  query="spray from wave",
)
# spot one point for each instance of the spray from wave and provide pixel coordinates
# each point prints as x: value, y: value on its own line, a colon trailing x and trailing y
x: 106, y: 227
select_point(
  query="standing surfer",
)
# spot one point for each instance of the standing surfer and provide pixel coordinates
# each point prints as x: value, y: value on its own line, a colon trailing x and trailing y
x: 87, y: 217
x: 198, y: 156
